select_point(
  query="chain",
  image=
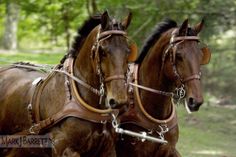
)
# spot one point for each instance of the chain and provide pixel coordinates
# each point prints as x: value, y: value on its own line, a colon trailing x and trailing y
x: 164, y: 129
x: 102, y: 93
x: 114, y: 122
x: 179, y: 93
x: 101, y: 80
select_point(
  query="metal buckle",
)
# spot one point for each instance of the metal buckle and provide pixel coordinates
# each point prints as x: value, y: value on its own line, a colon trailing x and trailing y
x: 34, y: 129
x: 29, y: 107
x: 37, y: 80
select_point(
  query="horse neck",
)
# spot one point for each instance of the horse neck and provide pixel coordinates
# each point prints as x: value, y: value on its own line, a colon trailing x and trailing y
x: 84, y: 70
x: 157, y: 105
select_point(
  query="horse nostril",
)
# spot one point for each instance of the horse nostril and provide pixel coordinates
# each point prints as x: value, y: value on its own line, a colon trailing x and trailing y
x: 191, y: 101
x: 112, y: 103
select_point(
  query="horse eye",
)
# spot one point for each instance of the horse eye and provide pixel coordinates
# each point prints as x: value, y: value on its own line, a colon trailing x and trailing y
x: 128, y: 50
x: 179, y: 56
x: 102, y: 52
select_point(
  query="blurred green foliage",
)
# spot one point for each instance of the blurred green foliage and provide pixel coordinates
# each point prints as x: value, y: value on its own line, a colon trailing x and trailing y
x: 46, y: 24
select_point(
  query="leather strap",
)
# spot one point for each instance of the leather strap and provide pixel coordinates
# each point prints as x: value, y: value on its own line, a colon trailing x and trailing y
x: 192, y: 77
x: 175, y: 39
x: 110, y: 32
x: 114, y: 77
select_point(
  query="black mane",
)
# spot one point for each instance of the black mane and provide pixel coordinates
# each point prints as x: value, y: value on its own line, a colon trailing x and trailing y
x: 83, y: 32
x: 160, y: 28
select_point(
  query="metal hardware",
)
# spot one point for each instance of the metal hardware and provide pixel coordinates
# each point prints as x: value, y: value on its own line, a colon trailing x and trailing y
x: 102, y: 93
x: 37, y: 80
x: 143, y: 135
x: 180, y: 92
x: 29, y: 107
x: 34, y: 130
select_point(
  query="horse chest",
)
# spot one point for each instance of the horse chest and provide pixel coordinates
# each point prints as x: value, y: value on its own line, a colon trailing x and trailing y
x: 81, y: 136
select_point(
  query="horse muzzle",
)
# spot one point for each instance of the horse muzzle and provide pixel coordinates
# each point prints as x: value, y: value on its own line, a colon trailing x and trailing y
x: 192, y: 104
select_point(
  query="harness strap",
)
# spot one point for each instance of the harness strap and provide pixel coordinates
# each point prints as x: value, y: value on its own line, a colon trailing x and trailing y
x: 114, y: 77
x: 84, y: 84
x: 192, y: 77
x: 111, y: 32
x: 175, y: 39
x: 153, y: 90
x: 71, y: 109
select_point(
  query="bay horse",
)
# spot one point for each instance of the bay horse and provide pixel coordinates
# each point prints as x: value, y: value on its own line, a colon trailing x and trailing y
x: 75, y: 102
x: 168, y: 68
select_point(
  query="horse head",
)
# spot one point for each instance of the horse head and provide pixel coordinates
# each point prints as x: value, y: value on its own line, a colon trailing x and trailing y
x: 110, y: 56
x: 185, y: 60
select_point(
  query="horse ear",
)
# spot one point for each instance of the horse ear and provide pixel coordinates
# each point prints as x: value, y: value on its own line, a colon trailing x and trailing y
x: 198, y: 27
x: 127, y: 20
x: 183, y: 28
x: 105, y: 20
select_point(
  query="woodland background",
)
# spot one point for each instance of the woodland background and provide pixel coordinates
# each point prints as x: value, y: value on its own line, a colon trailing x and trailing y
x: 41, y: 31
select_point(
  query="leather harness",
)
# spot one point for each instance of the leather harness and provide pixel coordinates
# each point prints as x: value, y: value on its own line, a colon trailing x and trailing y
x: 74, y: 106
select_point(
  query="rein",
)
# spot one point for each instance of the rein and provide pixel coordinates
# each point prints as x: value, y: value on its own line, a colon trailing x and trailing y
x: 84, y: 84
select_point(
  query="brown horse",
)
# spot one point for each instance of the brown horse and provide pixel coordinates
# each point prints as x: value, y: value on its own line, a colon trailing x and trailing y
x: 169, y: 65
x: 75, y: 101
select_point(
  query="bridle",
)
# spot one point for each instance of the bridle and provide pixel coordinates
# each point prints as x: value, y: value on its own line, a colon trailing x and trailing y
x: 102, y: 36
x: 174, y: 42
x: 179, y: 92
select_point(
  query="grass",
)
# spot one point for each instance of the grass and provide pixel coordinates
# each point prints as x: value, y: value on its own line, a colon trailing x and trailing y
x: 210, y: 132
x: 37, y: 58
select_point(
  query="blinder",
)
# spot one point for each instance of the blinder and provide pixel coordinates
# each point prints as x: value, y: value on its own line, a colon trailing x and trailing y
x: 133, y: 52
x: 205, y: 50
x: 174, y: 41
x: 206, y: 55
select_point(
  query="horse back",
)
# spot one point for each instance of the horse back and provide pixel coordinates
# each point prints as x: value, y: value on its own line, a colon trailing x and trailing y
x: 15, y: 93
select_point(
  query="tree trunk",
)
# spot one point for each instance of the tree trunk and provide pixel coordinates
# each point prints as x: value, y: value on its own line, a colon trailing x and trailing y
x: 91, y: 7
x: 10, y: 34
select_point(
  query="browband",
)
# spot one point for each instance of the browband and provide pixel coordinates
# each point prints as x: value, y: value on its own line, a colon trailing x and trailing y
x: 116, y: 32
x: 174, y: 39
